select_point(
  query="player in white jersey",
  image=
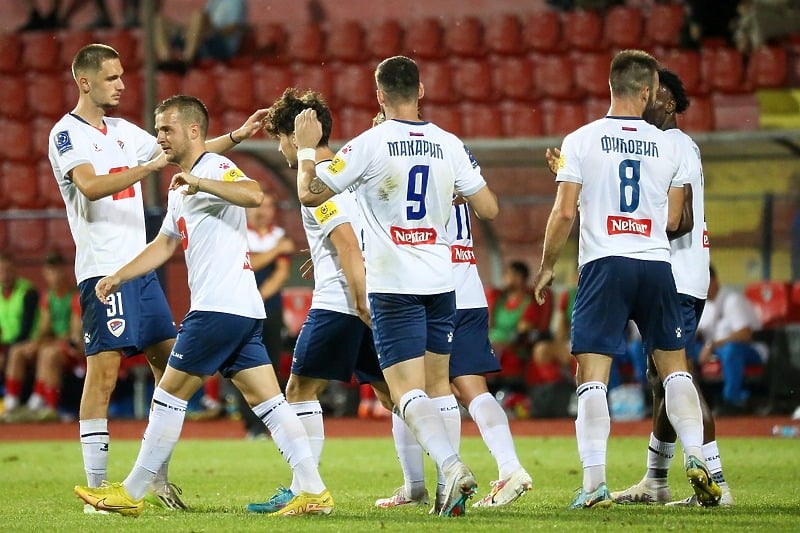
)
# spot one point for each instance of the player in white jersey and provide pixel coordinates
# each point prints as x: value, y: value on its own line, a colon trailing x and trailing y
x: 628, y: 177
x: 690, y: 267
x: 98, y: 162
x: 405, y: 172
x: 335, y: 340
x: 222, y: 330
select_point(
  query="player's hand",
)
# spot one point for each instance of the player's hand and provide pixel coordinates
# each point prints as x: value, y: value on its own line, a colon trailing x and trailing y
x: 551, y: 157
x: 363, y: 313
x: 307, y: 129
x: 183, y: 178
x: 543, y: 280
x: 157, y: 163
x: 459, y: 200
x: 307, y: 268
x: 107, y: 286
x: 251, y: 126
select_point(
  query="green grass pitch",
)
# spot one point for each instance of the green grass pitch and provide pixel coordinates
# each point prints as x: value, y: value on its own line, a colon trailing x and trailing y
x: 219, y: 477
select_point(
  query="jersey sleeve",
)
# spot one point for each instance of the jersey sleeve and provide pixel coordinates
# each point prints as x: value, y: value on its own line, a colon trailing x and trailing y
x: 227, y: 171
x: 348, y: 165
x: 331, y: 214
x: 468, y: 178
x: 146, y: 144
x: 569, y: 161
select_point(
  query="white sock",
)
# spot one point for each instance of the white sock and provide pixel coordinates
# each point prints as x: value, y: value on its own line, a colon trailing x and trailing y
x: 683, y: 411
x: 410, y: 455
x: 713, y: 461
x: 425, y: 421
x: 10, y: 402
x: 448, y: 408
x: 292, y: 441
x: 162, y: 476
x: 659, y: 458
x: 310, y: 415
x: 160, y: 437
x: 592, y: 427
x: 94, y: 444
x: 36, y: 402
x: 493, y: 424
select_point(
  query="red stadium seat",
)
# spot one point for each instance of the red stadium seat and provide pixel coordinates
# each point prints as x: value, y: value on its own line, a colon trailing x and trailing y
x: 463, y: 37
x: 353, y: 121
x: 199, y: 83
x: 513, y: 78
x: 560, y: 118
x: 768, y: 67
x: 346, y: 41
x: 481, y: 121
x: 59, y: 236
x: 26, y: 237
x: 40, y: 51
x: 423, y: 39
x: 596, y: 108
x: 686, y: 64
x: 296, y: 304
x: 591, y: 73
x: 11, y: 45
x: 316, y: 77
x: 384, y: 38
x: 794, y: 304
x: 3, y: 230
x: 446, y: 117
x: 269, y: 82
x: 723, y: 69
x: 43, y: 100
x: 553, y: 76
x: 521, y: 119
x: 235, y: 87
x: 771, y: 300
x: 40, y: 137
x: 69, y: 42
x: 663, y: 25
x: 583, y: 30
x: 437, y: 79
x: 306, y: 43
x: 699, y: 117
x: 230, y: 120
x: 48, y: 188
x: 503, y: 34
x: 126, y: 42
x: 542, y: 31
x: 270, y: 41
x: 13, y: 103
x: 473, y: 79
x: 355, y: 86
x: 736, y: 112
x: 167, y: 84
x: 20, y: 185
x: 623, y: 27
x: 16, y: 143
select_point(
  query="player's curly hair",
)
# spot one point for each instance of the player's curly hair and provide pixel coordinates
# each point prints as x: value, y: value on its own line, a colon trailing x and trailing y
x: 671, y: 81
x: 281, y: 115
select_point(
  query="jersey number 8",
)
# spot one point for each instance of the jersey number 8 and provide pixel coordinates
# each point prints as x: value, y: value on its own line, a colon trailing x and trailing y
x: 629, y: 185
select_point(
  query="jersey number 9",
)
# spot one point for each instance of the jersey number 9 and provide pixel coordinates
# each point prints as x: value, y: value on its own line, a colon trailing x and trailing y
x: 417, y: 187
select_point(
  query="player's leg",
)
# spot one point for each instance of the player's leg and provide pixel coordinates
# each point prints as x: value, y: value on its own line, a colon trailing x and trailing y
x: 49, y: 367
x: 102, y: 370
x: 19, y: 358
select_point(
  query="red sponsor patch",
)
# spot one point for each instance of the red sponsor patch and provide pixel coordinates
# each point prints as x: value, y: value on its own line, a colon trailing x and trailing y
x: 247, y: 265
x: 462, y: 254
x: 184, y: 233
x: 706, y: 241
x: 414, y: 236
x: 632, y: 226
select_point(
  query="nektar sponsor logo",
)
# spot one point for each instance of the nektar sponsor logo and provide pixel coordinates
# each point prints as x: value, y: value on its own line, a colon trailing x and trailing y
x: 624, y: 225
x: 414, y: 236
x: 462, y: 254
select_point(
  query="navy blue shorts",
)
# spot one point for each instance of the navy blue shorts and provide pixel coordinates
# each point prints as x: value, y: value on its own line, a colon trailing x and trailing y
x: 133, y: 318
x: 209, y: 341
x: 613, y: 290
x: 334, y: 345
x: 405, y: 326
x: 472, y: 352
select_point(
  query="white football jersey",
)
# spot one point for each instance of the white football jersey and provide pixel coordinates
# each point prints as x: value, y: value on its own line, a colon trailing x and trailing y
x: 213, y: 233
x: 469, y: 289
x: 110, y: 231
x: 405, y: 174
x: 625, y: 167
x: 331, y: 291
x: 690, y: 253
x: 264, y: 242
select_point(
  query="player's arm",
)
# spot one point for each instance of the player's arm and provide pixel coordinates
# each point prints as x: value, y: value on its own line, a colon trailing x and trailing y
x: 686, y: 222
x: 277, y: 279
x: 676, y: 201
x: 311, y: 190
x: 155, y: 254
x: 559, y: 224
x: 94, y: 186
x: 244, y: 193
x: 284, y: 246
x: 345, y: 241
x: 484, y: 203
x: 251, y: 126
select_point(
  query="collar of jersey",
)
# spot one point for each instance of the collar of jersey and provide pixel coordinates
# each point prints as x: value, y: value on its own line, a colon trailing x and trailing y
x: 412, y: 122
x: 623, y: 118
x: 197, y: 161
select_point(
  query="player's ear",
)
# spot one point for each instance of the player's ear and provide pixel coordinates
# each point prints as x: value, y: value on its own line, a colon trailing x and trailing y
x: 381, y: 97
x: 669, y: 107
x: 421, y: 91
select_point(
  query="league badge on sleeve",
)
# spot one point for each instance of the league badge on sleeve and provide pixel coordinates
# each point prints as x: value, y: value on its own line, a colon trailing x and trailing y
x: 336, y: 166
x: 233, y: 174
x: 325, y: 212
x: 471, y: 158
x: 63, y: 142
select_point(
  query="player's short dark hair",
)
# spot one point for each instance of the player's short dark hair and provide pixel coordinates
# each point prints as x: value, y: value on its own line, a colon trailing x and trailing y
x: 518, y: 267
x: 398, y: 78
x: 190, y: 110
x: 673, y: 83
x: 91, y: 57
x: 281, y: 114
x: 630, y: 71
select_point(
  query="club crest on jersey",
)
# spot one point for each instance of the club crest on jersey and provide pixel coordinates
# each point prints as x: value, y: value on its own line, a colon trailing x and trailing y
x: 233, y: 174
x: 413, y: 237
x: 336, y: 166
x: 472, y: 159
x: 631, y: 226
x: 116, y: 326
x: 325, y: 212
x: 462, y: 254
x: 63, y: 142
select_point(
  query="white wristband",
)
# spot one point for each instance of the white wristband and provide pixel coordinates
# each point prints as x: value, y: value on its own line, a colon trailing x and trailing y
x: 307, y: 154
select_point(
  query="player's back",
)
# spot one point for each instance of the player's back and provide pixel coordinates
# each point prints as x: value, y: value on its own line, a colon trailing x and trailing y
x: 625, y: 167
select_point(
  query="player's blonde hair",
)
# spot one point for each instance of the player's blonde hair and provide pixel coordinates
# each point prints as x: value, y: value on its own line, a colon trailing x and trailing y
x: 190, y: 110
x: 631, y: 70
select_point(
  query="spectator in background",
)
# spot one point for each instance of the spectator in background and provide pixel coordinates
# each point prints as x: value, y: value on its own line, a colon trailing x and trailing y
x: 215, y: 32
x: 55, y: 17
x: 759, y: 21
x: 726, y: 327
x: 19, y: 315
x: 552, y: 358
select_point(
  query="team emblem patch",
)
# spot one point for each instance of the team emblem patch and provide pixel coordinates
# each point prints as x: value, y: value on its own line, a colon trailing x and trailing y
x: 325, y: 212
x: 561, y: 161
x: 233, y: 174
x: 472, y: 160
x: 116, y: 326
x: 63, y: 142
x: 336, y: 166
